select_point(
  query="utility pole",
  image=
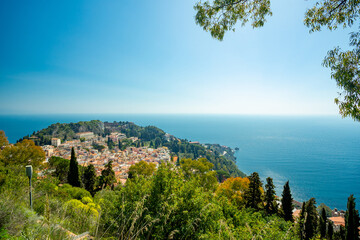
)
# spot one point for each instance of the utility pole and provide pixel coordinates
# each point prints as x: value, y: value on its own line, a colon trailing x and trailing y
x: 29, y: 171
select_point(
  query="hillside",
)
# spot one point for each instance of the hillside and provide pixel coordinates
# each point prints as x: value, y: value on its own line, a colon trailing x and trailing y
x: 221, y: 156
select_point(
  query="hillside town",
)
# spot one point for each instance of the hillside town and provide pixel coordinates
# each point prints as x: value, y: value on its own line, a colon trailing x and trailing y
x: 87, y: 152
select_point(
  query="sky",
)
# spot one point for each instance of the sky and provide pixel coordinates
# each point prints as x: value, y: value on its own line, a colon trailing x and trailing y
x: 123, y: 56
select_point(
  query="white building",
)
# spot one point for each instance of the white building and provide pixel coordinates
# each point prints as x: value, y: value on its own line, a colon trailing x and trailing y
x: 55, y: 142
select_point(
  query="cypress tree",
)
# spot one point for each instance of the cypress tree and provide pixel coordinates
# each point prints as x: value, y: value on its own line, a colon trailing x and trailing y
x: 342, y: 233
x: 330, y: 231
x: 89, y: 178
x: 351, y: 220
x: 253, y: 194
x: 322, y: 223
x: 286, y: 203
x: 302, y: 221
x: 270, y: 202
x: 73, y: 175
x: 311, y: 216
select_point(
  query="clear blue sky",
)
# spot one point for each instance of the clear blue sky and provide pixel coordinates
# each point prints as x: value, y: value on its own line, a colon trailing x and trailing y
x: 123, y: 56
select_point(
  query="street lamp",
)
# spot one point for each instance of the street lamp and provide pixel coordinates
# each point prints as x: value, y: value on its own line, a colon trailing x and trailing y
x: 29, y: 171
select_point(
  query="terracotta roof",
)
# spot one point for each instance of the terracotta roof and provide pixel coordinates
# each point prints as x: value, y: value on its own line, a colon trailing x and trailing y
x: 296, y: 213
x: 338, y: 221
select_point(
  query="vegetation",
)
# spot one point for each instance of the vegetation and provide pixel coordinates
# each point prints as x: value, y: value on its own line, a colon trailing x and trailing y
x: 253, y: 195
x: 271, y: 205
x: 3, y: 139
x: 352, y: 220
x: 142, y: 169
x: 220, y: 16
x: 220, y: 156
x: 286, y: 203
x: 310, y: 221
x: 73, y: 175
x: 170, y: 202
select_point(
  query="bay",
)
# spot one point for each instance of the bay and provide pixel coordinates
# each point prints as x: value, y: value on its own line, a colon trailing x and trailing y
x: 319, y: 155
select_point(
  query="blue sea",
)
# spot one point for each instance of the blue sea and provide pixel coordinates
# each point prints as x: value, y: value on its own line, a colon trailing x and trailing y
x: 320, y: 156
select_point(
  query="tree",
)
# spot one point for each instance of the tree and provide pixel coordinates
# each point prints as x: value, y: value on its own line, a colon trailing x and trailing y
x: 223, y: 15
x: 107, y: 177
x: 222, y: 175
x: 271, y: 206
x: 23, y: 153
x: 302, y: 221
x: 110, y: 143
x: 61, y: 166
x: 190, y: 166
x: 142, y: 168
x: 157, y: 142
x: 322, y: 223
x: 253, y: 195
x: 328, y: 210
x: 73, y: 175
x: 89, y: 178
x: 234, y: 190
x: 351, y: 220
x: 286, y: 203
x: 200, y: 171
x: 330, y: 231
x: 220, y: 16
x: 311, y: 216
x: 3, y: 139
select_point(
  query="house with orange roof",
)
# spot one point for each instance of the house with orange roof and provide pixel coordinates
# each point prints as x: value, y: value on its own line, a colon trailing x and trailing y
x: 338, y: 221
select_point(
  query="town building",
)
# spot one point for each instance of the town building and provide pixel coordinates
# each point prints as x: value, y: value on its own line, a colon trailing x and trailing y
x: 55, y: 142
x: 85, y: 135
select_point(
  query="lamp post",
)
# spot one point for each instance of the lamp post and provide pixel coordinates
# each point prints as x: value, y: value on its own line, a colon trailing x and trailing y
x: 29, y: 171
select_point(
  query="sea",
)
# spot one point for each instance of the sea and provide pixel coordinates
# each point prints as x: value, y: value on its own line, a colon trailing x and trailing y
x: 318, y: 155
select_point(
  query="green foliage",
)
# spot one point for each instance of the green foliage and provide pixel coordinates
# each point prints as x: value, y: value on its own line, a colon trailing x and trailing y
x: 226, y: 163
x: 200, y: 166
x: 199, y: 170
x: 219, y: 16
x: 107, y: 177
x: 222, y: 175
x: 170, y: 202
x: 328, y: 210
x: 110, y: 144
x: 61, y: 167
x: 3, y: 140
x: 3, y: 234
x: 345, y: 70
x: 352, y: 219
x: 67, y: 131
x: 301, y: 221
x: 253, y: 195
x: 286, y: 202
x: 23, y: 153
x: 330, y: 230
x: 66, y: 191
x: 271, y: 205
x: 311, y: 218
x: 89, y: 179
x: 84, y: 214
x: 98, y: 147
x: 73, y: 174
x: 322, y: 223
x: 142, y: 168
x: 332, y: 14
